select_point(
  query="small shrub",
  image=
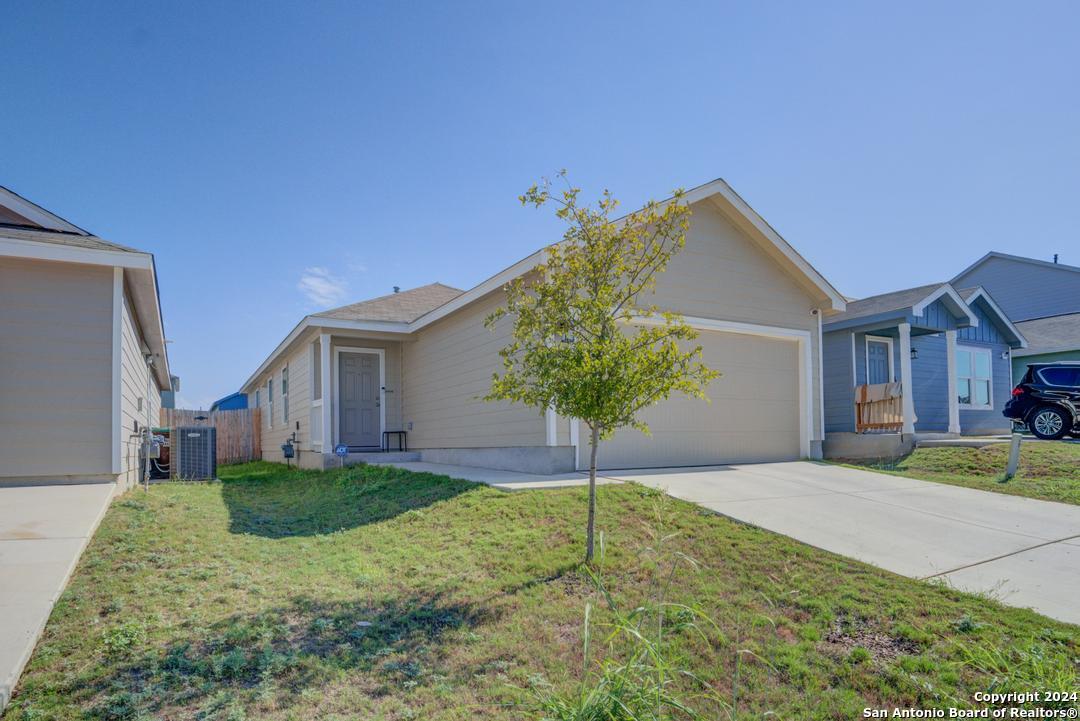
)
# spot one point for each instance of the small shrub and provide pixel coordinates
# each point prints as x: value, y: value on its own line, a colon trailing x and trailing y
x: 121, y: 641
x: 966, y: 624
x: 859, y: 655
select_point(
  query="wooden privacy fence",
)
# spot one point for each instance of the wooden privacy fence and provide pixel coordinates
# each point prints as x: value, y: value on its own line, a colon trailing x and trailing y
x: 879, y: 407
x: 238, y: 437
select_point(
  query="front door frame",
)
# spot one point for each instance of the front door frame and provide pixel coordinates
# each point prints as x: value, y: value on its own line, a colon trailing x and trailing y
x: 336, y: 418
x: 879, y: 339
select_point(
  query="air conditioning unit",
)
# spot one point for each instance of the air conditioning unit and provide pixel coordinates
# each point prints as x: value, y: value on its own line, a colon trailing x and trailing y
x: 194, y: 453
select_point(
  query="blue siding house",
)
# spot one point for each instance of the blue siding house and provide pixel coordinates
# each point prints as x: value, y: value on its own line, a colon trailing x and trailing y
x: 948, y: 349
x: 231, y: 402
x: 1042, y: 299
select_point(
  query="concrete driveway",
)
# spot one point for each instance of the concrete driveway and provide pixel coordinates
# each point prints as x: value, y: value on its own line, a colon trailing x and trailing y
x: 43, y: 531
x: 1020, y: 551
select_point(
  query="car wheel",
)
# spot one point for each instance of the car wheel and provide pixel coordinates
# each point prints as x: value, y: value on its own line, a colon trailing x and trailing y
x: 1049, y: 423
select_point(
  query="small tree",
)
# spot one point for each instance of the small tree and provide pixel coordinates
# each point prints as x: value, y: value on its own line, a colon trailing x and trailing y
x: 583, y: 343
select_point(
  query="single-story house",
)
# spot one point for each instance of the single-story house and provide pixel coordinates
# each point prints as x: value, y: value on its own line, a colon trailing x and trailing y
x: 83, y: 353
x: 1041, y: 297
x: 232, y: 402
x: 420, y: 360
x: 948, y: 349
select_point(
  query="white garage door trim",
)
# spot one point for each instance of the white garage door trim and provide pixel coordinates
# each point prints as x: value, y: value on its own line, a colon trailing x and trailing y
x: 806, y: 382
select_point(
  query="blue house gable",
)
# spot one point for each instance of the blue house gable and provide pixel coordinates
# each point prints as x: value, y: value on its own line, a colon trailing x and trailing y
x: 879, y: 339
x: 1024, y: 288
x: 1042, y: 298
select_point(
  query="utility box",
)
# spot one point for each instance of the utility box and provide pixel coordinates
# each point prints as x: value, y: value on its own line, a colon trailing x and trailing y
x: 193, y: 453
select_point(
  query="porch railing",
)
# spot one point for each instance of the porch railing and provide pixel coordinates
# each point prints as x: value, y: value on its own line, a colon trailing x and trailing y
x: 879, y: 407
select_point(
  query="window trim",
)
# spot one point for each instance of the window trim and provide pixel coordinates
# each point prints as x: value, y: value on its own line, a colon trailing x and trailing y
x: 866, y: 351
x: 285, y: 394
x: 973, y: 349
x: 270, y: 401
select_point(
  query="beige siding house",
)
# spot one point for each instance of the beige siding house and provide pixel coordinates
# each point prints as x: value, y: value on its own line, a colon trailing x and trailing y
x: 79, y: 319
x: 419, y: 361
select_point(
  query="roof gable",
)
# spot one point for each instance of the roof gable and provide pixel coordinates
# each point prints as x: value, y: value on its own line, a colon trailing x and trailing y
x: 18, y: 211
x: 401, y: 307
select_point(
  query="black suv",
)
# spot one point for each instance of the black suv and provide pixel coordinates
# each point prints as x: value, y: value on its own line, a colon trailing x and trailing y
x: 1047, y: 400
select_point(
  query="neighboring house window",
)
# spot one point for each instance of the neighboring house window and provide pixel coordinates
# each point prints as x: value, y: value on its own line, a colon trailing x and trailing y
x: 256, y: 397
x: 285, y: 394
x: 270, y: 402
x: 974, y: 374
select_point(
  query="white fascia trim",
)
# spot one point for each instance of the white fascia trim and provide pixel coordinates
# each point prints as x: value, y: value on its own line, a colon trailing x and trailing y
x: 946, y: 290
x: 317, y: 322
x: 491, y: 284
x: 1018, y: 259
x: 18, y: 248
x: 980, y: 292
x: 36, y: 214
x: 731, y: 326
x: 117, y: 353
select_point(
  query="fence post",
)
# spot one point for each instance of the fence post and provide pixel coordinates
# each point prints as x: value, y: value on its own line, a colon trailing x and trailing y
x: 1014, y: 456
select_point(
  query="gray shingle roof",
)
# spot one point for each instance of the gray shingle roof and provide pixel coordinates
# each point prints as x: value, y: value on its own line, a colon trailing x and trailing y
x: 72, y: 239
x: 1056, y: 331
x: 885, y: 302
x: 403, y: 307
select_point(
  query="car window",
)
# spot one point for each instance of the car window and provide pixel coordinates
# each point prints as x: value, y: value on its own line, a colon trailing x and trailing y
x: 1060, y: 376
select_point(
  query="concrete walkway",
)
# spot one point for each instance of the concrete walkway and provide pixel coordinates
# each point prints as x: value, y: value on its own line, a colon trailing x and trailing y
x: 503, y: 480
x: 1020, y: 551
x: 43, y: 531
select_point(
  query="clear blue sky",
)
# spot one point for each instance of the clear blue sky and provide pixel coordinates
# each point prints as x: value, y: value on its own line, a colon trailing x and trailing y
x: 276, y: 156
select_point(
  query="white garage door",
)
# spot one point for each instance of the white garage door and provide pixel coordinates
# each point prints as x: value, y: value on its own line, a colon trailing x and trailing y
x: 753, y: 417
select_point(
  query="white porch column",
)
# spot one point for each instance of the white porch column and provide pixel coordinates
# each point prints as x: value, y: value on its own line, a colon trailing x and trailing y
x: 954, y: 398
x: 551, y: 426
x: 326, y: 381
x: 907, y: 388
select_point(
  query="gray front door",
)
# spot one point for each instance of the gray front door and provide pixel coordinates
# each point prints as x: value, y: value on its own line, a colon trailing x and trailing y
x: 877, y: 362
x: 358, y: 417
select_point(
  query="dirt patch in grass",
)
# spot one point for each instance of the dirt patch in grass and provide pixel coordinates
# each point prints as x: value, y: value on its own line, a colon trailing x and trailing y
x: 851, y: 632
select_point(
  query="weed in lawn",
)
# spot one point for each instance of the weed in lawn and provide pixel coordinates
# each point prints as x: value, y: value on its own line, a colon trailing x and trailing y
x: 640, y: 677
x: 1035, y: 667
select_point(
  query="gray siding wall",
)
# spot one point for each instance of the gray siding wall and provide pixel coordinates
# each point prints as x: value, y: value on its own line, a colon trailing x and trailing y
x: 56, y: 379
x: 930, y: 377
x: 839, y: 389
x: 136, y: 407
x: 1025, y: 290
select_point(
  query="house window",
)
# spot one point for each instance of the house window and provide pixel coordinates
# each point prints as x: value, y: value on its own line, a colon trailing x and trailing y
x: 974, y: 374
x: 270, y: 402
x: 257, y: 391
x: 285, y: 394
x: 316, y: 370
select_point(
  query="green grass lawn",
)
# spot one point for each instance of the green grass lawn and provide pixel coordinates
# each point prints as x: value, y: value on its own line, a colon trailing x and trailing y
x: 375, y: 593
x: 1049, y: 471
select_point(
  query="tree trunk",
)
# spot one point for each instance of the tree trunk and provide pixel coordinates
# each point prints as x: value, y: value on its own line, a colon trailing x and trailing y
x: 594, y: 441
